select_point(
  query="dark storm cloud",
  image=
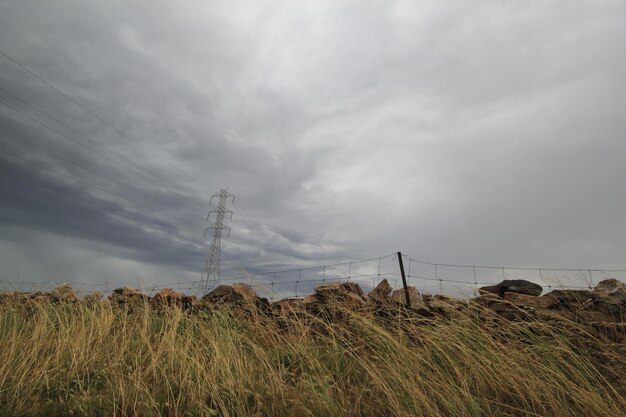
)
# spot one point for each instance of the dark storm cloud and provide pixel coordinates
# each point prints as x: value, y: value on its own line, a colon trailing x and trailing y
x: 33, y: 200
x: 486, y: 132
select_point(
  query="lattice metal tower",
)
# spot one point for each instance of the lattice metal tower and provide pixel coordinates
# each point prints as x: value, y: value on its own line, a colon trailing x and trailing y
x: 211, y: 275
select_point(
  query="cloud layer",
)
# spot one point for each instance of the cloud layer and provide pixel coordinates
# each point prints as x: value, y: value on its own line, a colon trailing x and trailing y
x: 483, y: 133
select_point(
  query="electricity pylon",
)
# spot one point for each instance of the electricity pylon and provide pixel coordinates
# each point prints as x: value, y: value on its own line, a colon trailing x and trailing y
x: 211, y: 275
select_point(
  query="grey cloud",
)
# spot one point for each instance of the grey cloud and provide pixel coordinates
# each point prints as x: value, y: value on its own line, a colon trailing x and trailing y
x: 484, y: 133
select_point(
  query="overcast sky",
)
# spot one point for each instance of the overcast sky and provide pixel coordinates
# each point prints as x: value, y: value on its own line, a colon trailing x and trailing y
x: 481, y: 133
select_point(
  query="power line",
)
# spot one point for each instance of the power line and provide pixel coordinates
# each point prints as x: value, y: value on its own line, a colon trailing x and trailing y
x: 62, y: 158
x: 94, y: 114
x: 92, y: 149
x: 91, y: 186
x: 242, y: 216
x: 79, y: 166
x: 90, y: 201
x: 75, y: 65
x: 80, y: 134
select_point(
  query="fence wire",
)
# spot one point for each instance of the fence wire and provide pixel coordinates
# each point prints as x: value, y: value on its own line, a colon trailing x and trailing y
x: 453, y: 280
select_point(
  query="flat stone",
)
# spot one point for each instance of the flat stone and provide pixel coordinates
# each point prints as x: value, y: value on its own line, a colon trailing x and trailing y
x: 530, y: 300
x: 573, y: 296
x: 519, y: 286
x: 339, y: 288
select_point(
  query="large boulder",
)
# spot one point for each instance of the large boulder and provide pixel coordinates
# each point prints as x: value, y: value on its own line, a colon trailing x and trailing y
x: 399, y: 297
x: 519, y: 286
x: 169, y: 297
x: 610, y: 287
x: 63, y: 294
x: 609, y: 299
x: 235, y: 294
x: 128, y: 295
x: 223, y: 294
x: 246, y: 291
x: 348, y: 294
x: 126, y: 292
x: 381, y: 291
x: 612, y: 298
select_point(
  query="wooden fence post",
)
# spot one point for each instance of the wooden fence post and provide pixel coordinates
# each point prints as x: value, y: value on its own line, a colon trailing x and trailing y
x: 406, y: 288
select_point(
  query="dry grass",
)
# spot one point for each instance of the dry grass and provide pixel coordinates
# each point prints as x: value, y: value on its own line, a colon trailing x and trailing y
x: 77, y: 360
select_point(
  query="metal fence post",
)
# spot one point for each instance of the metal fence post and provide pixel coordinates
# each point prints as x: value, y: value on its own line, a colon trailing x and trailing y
x: 406, y: 288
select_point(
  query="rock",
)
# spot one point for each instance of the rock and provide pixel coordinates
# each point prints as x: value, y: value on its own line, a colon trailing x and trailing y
x: 246, y: 291
x: 168, y: 293
x: 240, y: 295
x: 309, y: 299
x: 39, y: 296
x: 487, y: 299
x: 287, y: 306
x: 444, y: 306
x: 169, y: 297
x: 573, y: 297
x: 509, y: 311
x: 15, y: 296
x: 612, y: 298
x: 348, y: 294
x: 223, y: 294
x: 339, y: 288
x: 126, y: 295
x: 611, y: 302
x: 610, y: 286
x: 331, y: 299
x: 504, y: 309
x: 519, y: 286
x: 382, y: 291
x: 126, y: 291
x: 525, y: 300
x: 63, y: 294
x: 399, y: 297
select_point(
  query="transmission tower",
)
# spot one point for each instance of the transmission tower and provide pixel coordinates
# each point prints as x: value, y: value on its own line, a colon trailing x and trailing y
x: 211, y: 275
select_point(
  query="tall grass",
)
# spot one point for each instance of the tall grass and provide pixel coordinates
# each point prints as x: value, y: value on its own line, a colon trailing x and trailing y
x: 102, y: 360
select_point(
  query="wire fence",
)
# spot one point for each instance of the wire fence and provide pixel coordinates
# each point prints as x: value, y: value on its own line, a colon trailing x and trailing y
x: 453, y: 280
x: 464, y: 280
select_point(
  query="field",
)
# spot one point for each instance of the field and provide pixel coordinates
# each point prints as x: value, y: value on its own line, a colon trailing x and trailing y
x: 107, y: 359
